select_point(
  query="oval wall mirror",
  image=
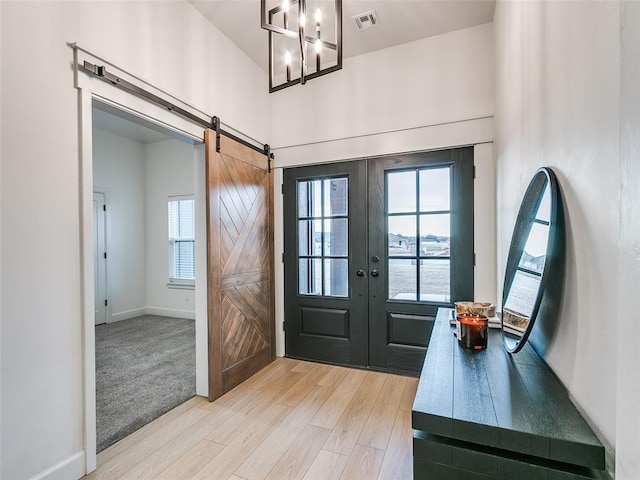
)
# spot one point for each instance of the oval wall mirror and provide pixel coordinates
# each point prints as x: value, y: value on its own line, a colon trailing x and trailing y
x: 532, y: 246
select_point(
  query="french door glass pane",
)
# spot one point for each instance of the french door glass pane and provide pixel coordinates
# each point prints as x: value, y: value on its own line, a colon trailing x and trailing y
x: 309, y: 237
x: 401, y: 192
x: 435, y: 280
x: 418, y: 278
x: 435, y: 235
x: 336, y: 237
x: 323, y: 231
x: 336, y: 197
x: 310, y: 276
x: 402, y: 279
x: 310, y: 198
x: 402, y: 235
x: 435, y: 186
x: 336, y: 277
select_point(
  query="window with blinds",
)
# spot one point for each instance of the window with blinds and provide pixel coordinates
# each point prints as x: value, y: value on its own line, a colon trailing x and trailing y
x: 182, y: 258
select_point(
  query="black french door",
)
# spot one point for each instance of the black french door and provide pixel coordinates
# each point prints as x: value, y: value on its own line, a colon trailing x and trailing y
x: 372, y: 249
x: 325, y: 262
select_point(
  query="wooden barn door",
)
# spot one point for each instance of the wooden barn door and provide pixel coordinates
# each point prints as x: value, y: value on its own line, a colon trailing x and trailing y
x: 240, y: 263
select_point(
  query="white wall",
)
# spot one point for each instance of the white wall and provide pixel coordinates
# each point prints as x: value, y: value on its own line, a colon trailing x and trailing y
x: 1, y: 368
x: 430, y: 94
x: 433, y: 93
x: 446, y: 78
x: 170, y: 172
x: 166, y: 42
x: 119, y: 172
x: 558, y: 105
x: 628, y: 380
x: 138, y: 180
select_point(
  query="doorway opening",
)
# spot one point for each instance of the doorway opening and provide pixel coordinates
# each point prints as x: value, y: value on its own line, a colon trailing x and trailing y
x: 100, y: 256
x: 372, y: 249
x: 144, y: 271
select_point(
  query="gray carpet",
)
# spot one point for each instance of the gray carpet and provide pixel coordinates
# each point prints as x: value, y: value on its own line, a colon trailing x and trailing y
x: 144, y: 367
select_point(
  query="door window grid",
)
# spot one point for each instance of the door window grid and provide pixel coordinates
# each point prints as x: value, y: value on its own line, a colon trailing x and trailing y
x: 323, y: 246
x: 424, y: 253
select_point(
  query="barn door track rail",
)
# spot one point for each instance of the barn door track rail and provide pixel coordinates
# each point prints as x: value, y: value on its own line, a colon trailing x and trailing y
x: 214, y: 123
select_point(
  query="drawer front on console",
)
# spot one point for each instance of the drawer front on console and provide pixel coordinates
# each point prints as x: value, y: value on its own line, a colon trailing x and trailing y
x: 445, y: 459
x: 436, y: 471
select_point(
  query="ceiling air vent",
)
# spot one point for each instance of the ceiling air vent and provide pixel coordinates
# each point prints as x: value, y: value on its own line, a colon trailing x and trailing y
x: 365, y: 20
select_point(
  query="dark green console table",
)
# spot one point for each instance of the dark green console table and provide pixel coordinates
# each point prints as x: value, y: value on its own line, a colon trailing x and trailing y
x: 490, y: 415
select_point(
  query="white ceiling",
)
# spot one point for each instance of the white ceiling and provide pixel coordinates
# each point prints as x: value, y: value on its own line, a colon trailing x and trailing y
x: 115, y: 123
x: 400, y: 21
x: 132, y: 126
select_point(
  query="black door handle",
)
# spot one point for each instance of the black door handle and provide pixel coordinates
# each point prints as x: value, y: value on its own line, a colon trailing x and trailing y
x: 360, y: 273
x: 374, y: 272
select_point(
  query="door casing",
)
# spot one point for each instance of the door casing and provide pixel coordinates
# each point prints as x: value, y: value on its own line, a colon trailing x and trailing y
x: 91, y: 91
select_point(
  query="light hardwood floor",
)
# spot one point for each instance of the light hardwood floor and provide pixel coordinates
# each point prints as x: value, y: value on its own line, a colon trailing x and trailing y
x: 292, y: 420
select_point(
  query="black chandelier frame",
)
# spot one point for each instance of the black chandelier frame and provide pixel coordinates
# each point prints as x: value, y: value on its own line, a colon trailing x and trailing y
x: 266, y: 20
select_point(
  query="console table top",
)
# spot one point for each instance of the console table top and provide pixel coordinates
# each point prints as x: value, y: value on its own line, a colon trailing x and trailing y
x: 498, y: 400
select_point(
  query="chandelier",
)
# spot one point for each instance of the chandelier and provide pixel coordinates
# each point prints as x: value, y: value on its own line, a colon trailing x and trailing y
x: 305, y: 39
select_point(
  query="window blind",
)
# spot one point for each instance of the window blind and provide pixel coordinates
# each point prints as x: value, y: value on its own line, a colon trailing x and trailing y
x: 181, y: 222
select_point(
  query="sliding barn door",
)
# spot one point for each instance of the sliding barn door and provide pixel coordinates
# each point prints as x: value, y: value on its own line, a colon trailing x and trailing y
x: 240, y: 263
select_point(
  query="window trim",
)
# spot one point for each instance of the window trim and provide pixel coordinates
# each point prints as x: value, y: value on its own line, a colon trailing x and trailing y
x: 172, y: 282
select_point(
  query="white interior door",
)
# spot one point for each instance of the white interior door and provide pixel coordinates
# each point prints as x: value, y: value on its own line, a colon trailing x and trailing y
x: 100, y: 257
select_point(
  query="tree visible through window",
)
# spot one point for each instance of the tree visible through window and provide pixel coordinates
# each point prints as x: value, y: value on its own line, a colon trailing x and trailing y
x: 181, y: 221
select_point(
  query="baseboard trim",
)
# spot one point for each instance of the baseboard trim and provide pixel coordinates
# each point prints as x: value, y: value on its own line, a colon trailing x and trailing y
x: 126, y: 315
x: 72, y: 467
x: 163, y: 312
x: 170, y: 312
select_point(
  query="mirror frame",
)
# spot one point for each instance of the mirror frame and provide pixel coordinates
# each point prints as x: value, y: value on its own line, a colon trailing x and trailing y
x: 528, y: 210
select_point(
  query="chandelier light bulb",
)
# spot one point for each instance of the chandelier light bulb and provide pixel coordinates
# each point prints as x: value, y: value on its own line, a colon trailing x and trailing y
x: 299, y: 25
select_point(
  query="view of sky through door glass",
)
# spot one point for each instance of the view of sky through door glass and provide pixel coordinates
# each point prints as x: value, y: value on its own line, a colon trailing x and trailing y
x: 400, y: 185
x: 418, y: 211
x: 323, y: 237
